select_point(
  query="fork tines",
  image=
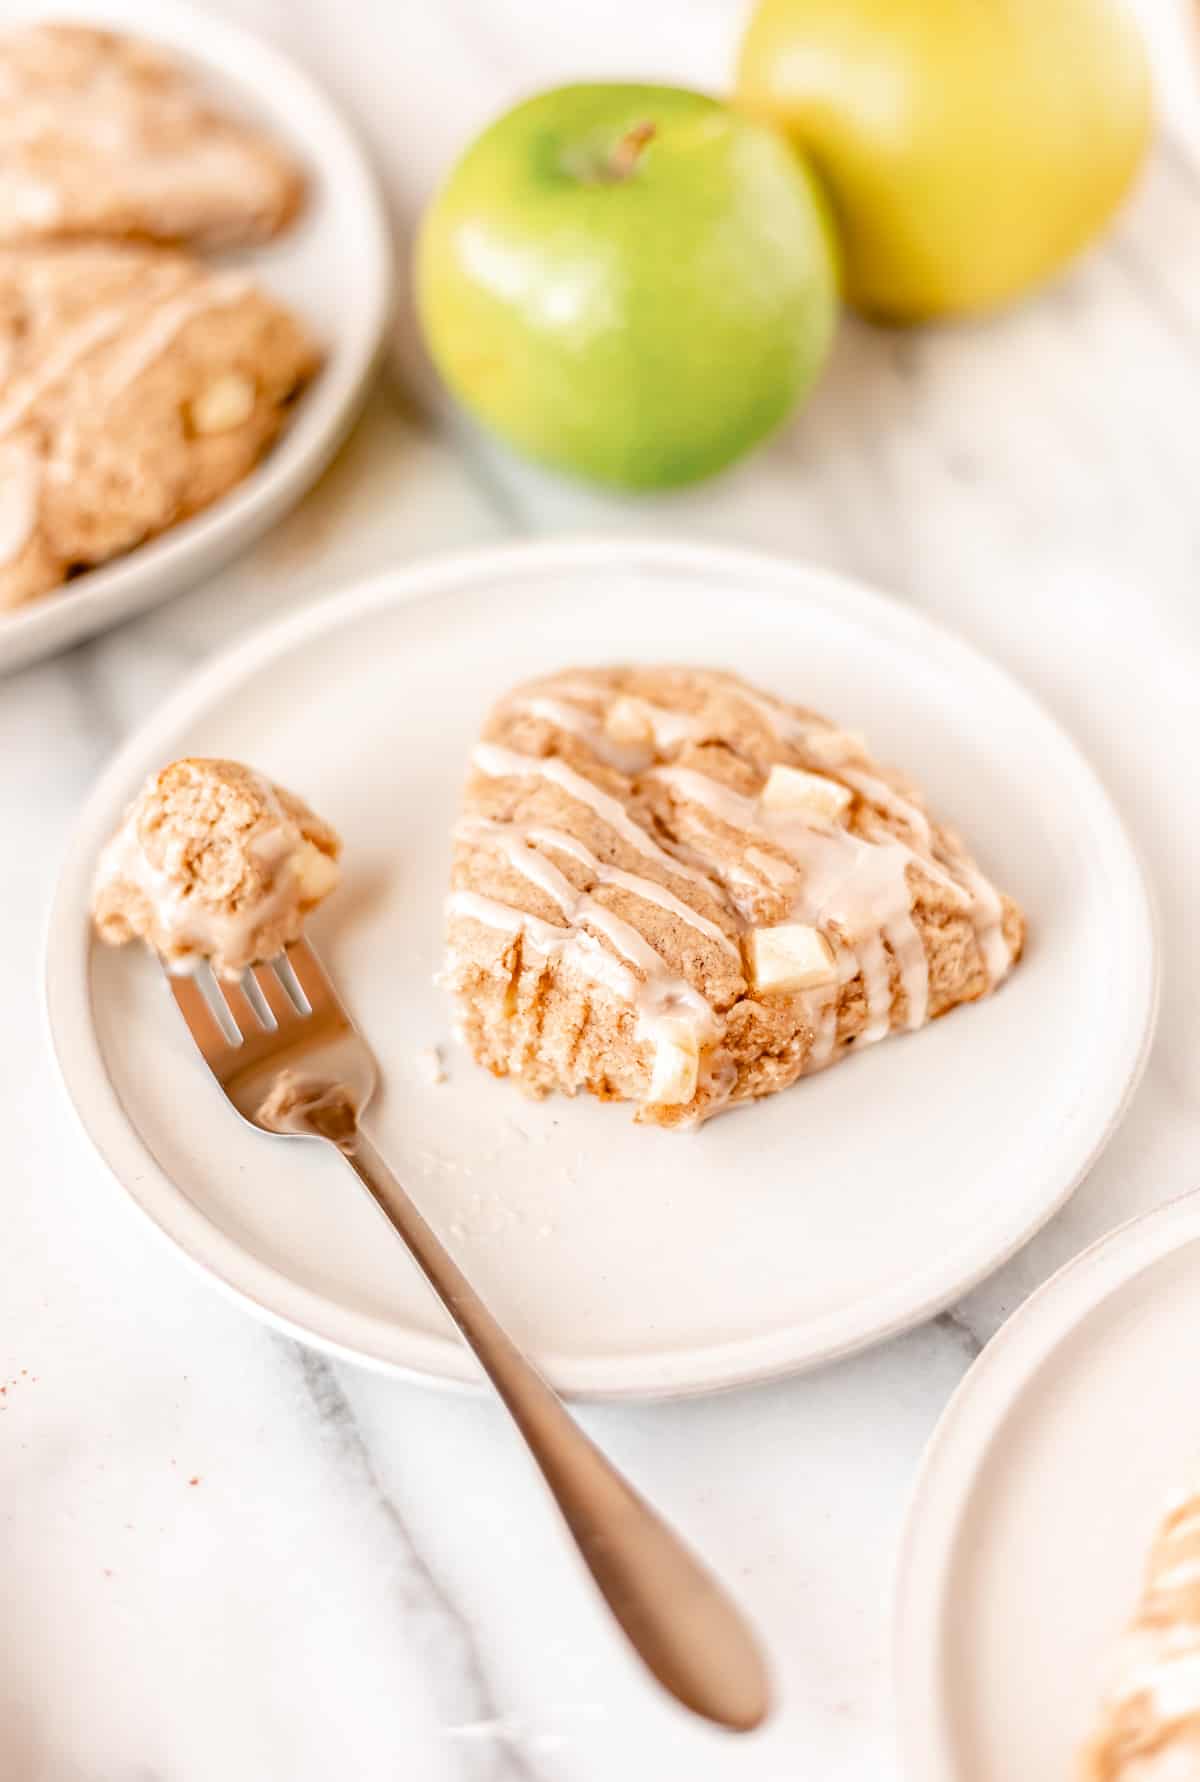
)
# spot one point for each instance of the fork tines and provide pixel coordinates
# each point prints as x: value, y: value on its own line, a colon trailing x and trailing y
x: 223, y: 1013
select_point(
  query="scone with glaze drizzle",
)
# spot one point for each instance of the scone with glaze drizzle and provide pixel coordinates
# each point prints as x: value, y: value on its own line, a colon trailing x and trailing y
x: 136, y: 386
x: 1148, y: 1728
x: 672, y: 889
x: 103, y: 135
x: 213, y: 861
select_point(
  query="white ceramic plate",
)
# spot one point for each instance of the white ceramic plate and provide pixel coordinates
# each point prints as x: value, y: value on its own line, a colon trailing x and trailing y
x: 631, y: 1261
x: 1041, y: 1489
x: 334, y: 266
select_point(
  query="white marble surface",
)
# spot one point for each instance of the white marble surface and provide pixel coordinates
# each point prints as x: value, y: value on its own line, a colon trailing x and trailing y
x: 220, y: 1556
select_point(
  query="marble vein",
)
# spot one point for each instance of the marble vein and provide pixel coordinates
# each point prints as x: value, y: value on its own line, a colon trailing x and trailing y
x: 466, y: 1700
x: 954, y: 1323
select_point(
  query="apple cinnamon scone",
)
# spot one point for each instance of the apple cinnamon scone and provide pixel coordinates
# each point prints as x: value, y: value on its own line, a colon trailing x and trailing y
x: 103, y: 135
x: 214, y: 861
x: 136, y: 386
x: 672, y: 889
x: 1149, y: 1723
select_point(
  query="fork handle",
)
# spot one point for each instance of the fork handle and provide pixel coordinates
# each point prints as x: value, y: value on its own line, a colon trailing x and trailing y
x: 686, y: 1629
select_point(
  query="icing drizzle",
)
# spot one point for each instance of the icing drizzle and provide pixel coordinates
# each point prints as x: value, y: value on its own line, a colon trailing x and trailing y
x: 858, y: 889
x: 20, y: 466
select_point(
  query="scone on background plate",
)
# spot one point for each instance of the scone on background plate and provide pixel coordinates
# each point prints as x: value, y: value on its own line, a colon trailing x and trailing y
x: 672, y: 889
x: 103, y: 135
x: 136, y: 386
x: 1148, y: 1729
x: 214, y: 861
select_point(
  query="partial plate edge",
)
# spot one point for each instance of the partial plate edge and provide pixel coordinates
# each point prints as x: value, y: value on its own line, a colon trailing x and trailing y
x: 956, y: 1454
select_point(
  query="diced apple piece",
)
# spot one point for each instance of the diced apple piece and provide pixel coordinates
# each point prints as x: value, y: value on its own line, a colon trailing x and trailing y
x: 676, y: 1064
x: 790, y: 957
x: 227, y: 403
x: 316, y: 873
x: 794, y: 789
x: 628, y: 721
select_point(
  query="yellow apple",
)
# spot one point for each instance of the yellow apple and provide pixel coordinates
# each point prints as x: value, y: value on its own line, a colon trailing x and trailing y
x: 970, y: 147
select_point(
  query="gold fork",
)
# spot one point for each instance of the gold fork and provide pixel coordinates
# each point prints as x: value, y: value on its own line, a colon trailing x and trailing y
x: 291, y: 1061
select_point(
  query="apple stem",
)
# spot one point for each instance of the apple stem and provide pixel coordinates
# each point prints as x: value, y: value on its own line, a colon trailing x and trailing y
x: 627, y: 151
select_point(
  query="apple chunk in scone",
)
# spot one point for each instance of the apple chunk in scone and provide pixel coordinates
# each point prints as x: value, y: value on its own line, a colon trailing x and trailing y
x: 213, y: 861
x: 671, y: 889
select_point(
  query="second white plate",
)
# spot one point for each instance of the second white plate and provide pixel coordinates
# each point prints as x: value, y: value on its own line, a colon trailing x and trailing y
x: 1041, y: 1490
x: 630, y: 1261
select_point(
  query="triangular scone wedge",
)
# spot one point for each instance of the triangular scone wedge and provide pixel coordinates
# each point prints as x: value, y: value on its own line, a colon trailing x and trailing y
x: 104, y: 136
x: 672, y: 889
x: 136, y: 387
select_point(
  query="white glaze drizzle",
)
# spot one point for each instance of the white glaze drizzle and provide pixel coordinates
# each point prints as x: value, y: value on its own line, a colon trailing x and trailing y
x: 1186, y: 1525
x: 671, y: 727
x: 834, y: 748
x: 1185, y: 1496
x: 1187, y: 1571
x: 500, y: 763
x: 872, y: 958
x: 820, y: 1009
x: 893, y: 803
x: 861, y: 886
x: 20, y: 485
x: 788, y: 726
x: 163, y: 325
x: 160, y: 329
x: 734, y: 809
x: 581, y: 950
x: 649, y: 890
x: 829, y: 853
x: 74, y: 346
x: 661, y: 1002
x: 668, y: 727
x: 625, y: 757
x: 580, y: 907
x: 912, y: 964
x: 1171, y: 1682
x: 823, y: 1003
x: 987, y: 913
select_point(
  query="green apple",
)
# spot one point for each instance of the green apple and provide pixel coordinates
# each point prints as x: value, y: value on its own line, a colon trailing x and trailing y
x: 633, y: 283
